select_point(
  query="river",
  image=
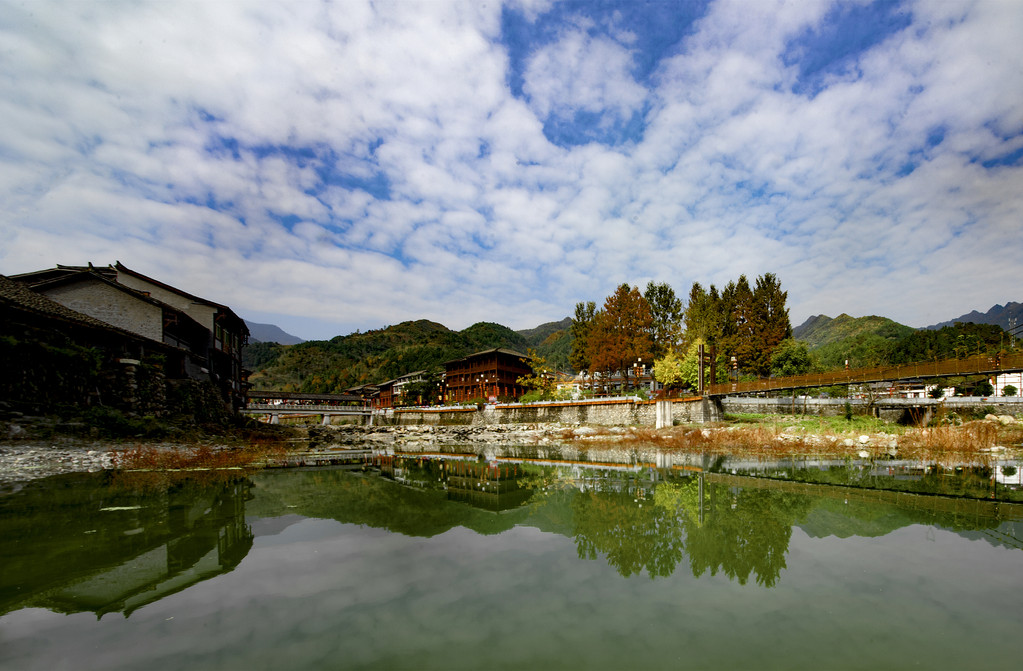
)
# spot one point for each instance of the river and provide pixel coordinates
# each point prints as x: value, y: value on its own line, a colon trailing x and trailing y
x: 447, y: 561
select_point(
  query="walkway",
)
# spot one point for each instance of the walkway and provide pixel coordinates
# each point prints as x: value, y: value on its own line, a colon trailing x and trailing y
x: 975, y: 365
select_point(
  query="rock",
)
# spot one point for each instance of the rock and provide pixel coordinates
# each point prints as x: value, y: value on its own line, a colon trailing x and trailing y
x: 584, y: 431
x: 1006, y: 419
x: 991, y: 418
x: 864, y: 454
x: 864, y: 440
x: 848, y: 442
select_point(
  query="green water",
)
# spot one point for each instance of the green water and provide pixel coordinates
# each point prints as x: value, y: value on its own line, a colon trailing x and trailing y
x: 462, y: 566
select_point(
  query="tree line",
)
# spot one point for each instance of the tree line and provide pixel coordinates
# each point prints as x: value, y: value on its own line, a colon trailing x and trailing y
x: 743, y: 324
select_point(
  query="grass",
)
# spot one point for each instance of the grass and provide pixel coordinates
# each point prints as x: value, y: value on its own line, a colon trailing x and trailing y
x: 776, y: 436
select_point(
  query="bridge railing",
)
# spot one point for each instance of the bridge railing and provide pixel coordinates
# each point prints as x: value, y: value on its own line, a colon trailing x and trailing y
x: 314, y: 409
x: 975, y: 365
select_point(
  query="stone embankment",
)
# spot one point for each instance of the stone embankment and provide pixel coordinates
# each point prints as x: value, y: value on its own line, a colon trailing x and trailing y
x: 23, y: 460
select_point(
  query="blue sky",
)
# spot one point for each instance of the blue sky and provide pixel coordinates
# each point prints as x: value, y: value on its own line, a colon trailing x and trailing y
x: 333, y: 166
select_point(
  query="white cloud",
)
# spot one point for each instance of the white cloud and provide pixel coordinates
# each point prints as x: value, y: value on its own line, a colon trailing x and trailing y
x: 197, y: 137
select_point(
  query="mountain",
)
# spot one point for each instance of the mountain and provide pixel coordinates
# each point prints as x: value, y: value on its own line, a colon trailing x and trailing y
x: 537, y: 335
x: 331, y: 366
x: 876, y: 341
x: 821, y: 330
x: 552, y: 341
x: 999, y: 315
x: 270, y: 333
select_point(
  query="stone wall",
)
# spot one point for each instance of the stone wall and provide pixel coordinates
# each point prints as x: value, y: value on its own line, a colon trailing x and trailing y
x: 644, y: 413
x: 912, y: 410
x: 599, y: 413
x: 112, y: 306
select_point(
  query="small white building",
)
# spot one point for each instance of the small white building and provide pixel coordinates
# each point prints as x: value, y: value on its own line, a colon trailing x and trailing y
x: 1000, y: 382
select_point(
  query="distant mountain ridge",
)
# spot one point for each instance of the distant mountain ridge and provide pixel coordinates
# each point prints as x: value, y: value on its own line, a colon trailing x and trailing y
x: 999, y: 315
x: 371, y: 357
x: 270, y: 333
x: 821, y: 330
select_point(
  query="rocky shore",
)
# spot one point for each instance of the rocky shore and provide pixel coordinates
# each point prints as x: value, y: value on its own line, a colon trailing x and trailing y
x: 23, y: 460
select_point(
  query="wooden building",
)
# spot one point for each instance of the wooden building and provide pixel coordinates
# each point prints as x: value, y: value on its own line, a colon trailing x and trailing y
x: 490, y: 375
x: 129, y: 300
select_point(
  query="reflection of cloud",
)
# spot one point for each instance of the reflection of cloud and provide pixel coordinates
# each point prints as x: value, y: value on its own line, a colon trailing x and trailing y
x: 865, y: 155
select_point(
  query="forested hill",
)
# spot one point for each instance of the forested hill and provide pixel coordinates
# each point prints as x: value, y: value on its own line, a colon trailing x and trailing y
x: 821, y: 330
x: 331, y: 366
x: 876, y: 341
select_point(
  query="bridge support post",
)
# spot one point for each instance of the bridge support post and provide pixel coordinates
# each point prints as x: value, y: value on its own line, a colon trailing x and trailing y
x: 326, y: 420
x: 663, y: 416
x: 711, y: 410
x: 275, y: 418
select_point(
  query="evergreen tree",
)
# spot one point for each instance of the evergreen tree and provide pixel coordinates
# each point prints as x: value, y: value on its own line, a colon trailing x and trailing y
x: 579, y: 358
x: 704, y: 315
x: 666, y: 310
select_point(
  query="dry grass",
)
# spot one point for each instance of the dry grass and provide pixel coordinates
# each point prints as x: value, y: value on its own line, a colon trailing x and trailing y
x: 973, y: 442
x: 202, y: 457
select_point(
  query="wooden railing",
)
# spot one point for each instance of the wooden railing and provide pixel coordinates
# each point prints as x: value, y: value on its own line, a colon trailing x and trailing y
x: 976, y: 365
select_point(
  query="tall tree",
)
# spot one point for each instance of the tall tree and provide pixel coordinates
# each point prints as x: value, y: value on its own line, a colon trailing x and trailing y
x: 704, y: 316
x: 620, y: 336
x: 666, y: 311
x: 579, y: 358
x: 770, y: 319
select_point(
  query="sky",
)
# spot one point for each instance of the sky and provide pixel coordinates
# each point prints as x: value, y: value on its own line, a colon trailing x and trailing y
x: 338, y: 166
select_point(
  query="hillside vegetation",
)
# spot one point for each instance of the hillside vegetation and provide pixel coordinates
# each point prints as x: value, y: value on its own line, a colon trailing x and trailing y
x: 331, y: 366
x: 877, y: 341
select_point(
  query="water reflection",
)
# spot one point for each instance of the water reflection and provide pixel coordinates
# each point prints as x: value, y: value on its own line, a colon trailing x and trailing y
x: 85, y: 543
x: 92, y: 543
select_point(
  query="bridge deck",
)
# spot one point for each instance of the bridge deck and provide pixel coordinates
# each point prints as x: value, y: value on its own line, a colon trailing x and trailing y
x: 976, y: 365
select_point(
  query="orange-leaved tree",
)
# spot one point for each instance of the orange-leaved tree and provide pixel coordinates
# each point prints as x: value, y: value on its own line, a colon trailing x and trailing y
x: 619, y: 337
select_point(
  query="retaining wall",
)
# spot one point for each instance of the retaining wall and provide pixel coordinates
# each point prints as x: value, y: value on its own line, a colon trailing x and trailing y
x: 600, y: 413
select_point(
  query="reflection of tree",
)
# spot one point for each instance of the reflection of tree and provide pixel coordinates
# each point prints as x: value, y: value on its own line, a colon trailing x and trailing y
x: 631, y: 534
x: 745, y: 531
x: 741, y: 532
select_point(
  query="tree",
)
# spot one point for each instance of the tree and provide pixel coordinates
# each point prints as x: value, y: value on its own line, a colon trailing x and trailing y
x: 579, y: 358
x: 543, y: 379
x: 1009, y: 390
x: 425, y: 390
x: 739, y: 337
x: 666, y: 311
x: 668, y: 370
x: 620, y: 334
x: 770, y: 317
x: 703, y: 316
x: 791, y: 357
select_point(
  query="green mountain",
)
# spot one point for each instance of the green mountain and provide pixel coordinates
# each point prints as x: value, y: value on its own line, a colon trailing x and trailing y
x: 331, y: 366
x: 822, y: 330
x: 877, y: 341
x: 552, y: 341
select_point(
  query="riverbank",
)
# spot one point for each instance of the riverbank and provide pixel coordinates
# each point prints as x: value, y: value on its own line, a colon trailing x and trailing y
x: 775, y: 437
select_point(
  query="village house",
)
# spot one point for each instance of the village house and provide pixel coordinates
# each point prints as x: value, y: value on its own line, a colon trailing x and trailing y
x: 491, y: 375
x: 211, y: 334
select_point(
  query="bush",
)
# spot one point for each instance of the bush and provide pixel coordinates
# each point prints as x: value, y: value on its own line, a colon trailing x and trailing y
x: 112, y: 423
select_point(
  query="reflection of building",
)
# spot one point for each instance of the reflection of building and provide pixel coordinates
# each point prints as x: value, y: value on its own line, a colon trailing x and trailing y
x: 491, y: 374
x: 126, y: 551
x: 490, y: 486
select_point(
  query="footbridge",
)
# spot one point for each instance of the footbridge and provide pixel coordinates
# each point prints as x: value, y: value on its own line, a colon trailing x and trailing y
x: 969, y: 366
x: 277, y: 404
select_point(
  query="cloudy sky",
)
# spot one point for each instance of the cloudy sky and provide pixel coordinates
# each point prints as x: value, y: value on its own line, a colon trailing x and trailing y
x: 333, y: 166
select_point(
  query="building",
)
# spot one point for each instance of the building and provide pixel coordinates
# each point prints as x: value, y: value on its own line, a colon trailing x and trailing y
x: 491, y: 375
x: 1000, y: 382
x: 52, y: 356
x: 211, y: 333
